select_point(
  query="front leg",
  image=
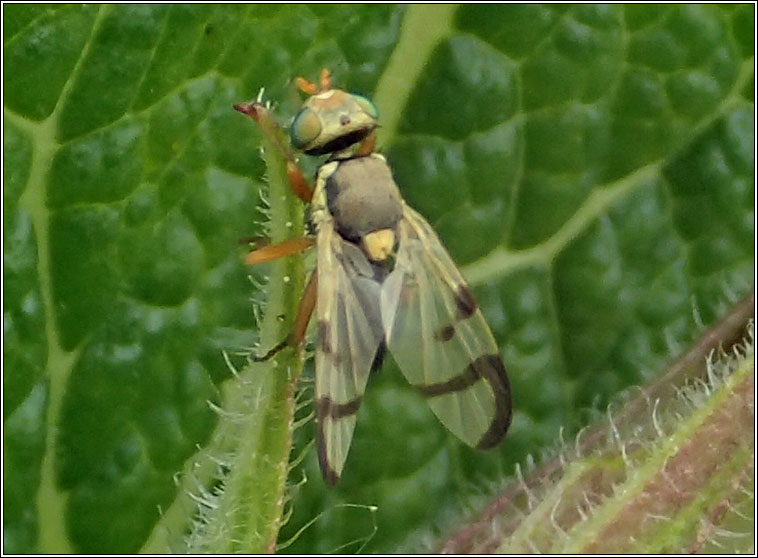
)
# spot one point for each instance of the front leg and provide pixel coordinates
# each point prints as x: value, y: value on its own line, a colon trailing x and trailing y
x: 263, y: 252
x: 270, y: 127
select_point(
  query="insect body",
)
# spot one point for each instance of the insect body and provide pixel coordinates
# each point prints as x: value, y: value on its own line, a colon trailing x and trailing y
x: 384, y: 281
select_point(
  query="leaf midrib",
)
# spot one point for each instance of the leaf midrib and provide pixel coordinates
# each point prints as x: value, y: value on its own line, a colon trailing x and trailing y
x: 51, y: 502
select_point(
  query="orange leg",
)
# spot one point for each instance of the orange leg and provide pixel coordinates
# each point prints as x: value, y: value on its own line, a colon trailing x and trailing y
x: 263, y: 254
x: 268, y: 125
x: 305, y: 310
x: 298, y: 183
x: 304, y: 313
x: 367, y: 145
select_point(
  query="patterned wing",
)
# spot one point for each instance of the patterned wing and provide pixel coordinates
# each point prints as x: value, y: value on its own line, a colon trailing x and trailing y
x: 349, y: 335
x: 440, y: 340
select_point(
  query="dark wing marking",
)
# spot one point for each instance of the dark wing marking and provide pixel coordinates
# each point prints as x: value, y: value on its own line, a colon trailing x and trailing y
x: 439, y: 338
x: 350, y: 333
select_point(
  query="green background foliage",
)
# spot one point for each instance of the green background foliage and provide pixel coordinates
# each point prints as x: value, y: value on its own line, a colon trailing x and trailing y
x: 589, y: 167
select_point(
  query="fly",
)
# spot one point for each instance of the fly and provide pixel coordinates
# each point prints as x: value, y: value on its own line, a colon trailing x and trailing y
x: 383, y: 281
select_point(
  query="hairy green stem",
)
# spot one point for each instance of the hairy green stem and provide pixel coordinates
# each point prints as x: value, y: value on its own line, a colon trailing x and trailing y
x: 671, y: 471
x: 236, y: 487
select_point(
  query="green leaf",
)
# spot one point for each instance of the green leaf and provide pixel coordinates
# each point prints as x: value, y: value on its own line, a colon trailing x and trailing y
x: 589, y: 167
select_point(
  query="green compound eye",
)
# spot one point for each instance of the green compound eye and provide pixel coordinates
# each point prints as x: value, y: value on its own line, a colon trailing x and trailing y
x: 367, y: 106
x: 305, y: 128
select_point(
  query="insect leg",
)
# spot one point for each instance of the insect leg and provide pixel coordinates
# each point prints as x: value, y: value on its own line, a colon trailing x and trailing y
x: 367, y: 145
x: 268, y: 125
x: 271, y: 353
x: 305, y: 310
x: 298, y: 183
x: 262, y: 254
x: 304, y: 313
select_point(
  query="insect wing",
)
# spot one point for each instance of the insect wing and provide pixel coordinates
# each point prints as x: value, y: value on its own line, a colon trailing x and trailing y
x: 349, y: 334
x: 440, y: 340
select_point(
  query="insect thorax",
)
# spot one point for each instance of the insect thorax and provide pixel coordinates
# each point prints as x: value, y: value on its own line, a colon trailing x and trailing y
x: 361, y: 197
